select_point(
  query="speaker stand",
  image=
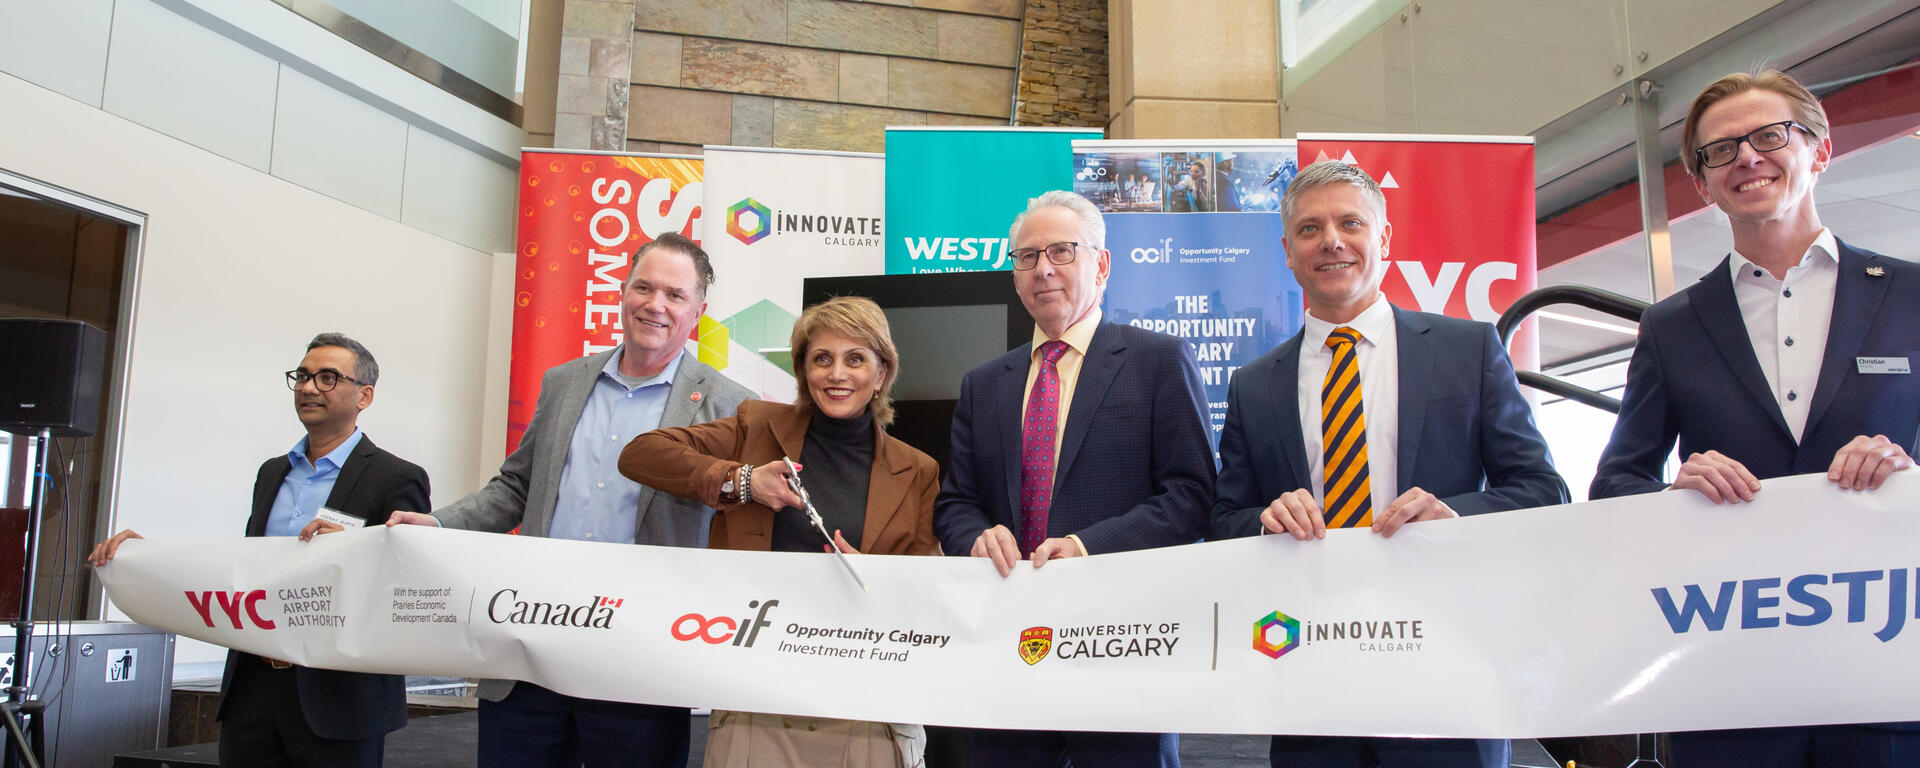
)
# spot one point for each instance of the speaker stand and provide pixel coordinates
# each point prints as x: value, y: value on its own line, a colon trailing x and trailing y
x: 25, y: 741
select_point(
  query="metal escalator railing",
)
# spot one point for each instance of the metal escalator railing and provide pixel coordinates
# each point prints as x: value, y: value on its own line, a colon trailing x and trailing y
x: 1608, y: 302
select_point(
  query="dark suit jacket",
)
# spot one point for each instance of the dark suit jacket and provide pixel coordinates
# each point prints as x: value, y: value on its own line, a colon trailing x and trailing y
x: 1135, y: 467
x: 693, y: 461
x: 372, y: 484
x: 1466, y: 434
x: 1694, y: 376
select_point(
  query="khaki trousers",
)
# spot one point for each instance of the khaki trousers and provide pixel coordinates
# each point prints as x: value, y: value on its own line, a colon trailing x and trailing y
x: 755, y: 740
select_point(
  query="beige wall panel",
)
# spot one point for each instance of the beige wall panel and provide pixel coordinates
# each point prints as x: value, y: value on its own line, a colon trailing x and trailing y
x: 768, y: 70
x: 810, y: 125
x: 942, y: 87
x: 979, y: 40
x: 1512, y: 66
x: 543, y: 62
x: 937, y: 118
x: 684, y: 117
x: 1215, y: 49
x: 1119, y: 65
x: 1668, y: 28
x: 1010, y: 9
x: 597, y: 20
x: 1162, y: 119
x: 752, y: 121
x: 1121, y: 127
x: 762, y: 20
x: 1369, y: 88
x: 863, y: 79
x: 656, y: 59
x: 863, y: 27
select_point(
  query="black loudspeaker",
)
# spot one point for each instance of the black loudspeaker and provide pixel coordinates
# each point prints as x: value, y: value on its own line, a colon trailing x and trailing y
x: 51, y: 376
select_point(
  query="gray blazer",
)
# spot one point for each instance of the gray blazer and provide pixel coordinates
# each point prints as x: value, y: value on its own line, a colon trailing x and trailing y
x: 524, y: 492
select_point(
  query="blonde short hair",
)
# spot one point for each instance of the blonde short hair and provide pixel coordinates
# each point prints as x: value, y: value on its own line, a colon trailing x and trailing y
x: 1806, y: 108
x: 858, y: 319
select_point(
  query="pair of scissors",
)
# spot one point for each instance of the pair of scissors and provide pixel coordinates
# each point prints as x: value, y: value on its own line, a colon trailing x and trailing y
x: 793, y: 481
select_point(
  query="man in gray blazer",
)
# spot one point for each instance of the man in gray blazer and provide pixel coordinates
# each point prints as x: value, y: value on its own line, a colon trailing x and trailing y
x: 562, y: 483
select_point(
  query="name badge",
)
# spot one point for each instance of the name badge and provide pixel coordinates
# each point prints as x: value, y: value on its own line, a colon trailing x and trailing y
x: 340, y: 518
x: 1883, y: 365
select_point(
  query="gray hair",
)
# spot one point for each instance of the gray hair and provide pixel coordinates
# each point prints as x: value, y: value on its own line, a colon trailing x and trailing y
x: 1092, y: 225
x: 1328, y: 173
x: 364, y: 367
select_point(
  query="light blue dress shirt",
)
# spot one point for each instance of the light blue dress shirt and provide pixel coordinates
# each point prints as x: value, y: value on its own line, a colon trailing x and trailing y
x: 596, y: 502
x: 307, y: 486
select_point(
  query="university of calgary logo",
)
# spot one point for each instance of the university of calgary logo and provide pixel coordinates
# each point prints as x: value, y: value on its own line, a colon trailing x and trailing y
x: 1034, y: 644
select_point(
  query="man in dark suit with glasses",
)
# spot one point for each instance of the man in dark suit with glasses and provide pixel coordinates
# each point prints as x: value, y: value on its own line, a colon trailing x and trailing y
x: 272, y: 712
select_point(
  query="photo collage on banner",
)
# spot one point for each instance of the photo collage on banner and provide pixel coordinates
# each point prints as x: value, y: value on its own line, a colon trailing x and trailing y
x: 1463, y: 221
x: 952, y: 192
x: 582, y: 215
x: 1195, y: 233
x: 779, y: 217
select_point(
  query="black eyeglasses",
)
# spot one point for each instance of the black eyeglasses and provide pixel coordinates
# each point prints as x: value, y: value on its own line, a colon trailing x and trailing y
x: 1061, y: 254
x: 326, y: 379
x: 1766, y: 138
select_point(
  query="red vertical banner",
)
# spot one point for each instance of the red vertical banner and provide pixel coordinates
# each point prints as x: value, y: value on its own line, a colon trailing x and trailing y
x: 582, y: 216
x: 1462, y: 214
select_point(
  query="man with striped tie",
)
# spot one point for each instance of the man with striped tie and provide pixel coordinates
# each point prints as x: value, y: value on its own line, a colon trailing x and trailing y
x: 1415, y: 417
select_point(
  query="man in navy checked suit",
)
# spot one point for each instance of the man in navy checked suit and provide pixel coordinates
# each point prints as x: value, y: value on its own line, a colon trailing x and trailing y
x: 1790, y: 357
x: 1130, y: 463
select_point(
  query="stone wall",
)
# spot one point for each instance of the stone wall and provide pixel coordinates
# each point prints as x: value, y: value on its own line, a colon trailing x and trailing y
x: 804, y: 74
x: 1063, y: 63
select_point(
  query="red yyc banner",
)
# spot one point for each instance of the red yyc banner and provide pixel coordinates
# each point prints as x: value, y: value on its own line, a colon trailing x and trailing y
x: 582, y: 216
x: 1462, y: 214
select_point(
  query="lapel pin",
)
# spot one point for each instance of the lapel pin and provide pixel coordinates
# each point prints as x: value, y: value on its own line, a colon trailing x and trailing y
x: 694, y: 397
x: 1876, y: 271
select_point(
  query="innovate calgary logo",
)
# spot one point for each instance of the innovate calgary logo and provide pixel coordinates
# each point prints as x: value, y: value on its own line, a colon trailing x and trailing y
x: 750, y: 221
x: 1277, y: 634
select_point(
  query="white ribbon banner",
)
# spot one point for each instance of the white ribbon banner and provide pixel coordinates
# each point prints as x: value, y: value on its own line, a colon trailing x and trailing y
x: 1653, y: 613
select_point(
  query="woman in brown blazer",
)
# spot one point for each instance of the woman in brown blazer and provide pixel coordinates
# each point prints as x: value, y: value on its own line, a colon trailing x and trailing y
x: 874, y: 492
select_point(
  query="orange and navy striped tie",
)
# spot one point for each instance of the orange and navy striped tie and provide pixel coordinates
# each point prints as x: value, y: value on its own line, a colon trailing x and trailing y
x: 1343, y: 428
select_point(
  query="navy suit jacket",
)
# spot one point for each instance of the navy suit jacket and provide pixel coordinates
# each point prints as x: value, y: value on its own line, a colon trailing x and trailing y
x: 371, y: 485
x: 1466, y: 434
x: 1135, y: 468
x: 1694, y: 376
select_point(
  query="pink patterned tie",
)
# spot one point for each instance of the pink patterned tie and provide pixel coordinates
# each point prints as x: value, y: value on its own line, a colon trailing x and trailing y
x: 1036, y: 452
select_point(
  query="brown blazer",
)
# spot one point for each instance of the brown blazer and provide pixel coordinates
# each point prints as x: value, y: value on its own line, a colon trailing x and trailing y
x: 693, y: 461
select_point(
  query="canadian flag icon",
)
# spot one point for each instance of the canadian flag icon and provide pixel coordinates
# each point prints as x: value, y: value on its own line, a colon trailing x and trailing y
x: 612, y: 602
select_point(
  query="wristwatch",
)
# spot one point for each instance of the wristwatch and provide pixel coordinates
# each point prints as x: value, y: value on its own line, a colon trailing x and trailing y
x: 736, y: 484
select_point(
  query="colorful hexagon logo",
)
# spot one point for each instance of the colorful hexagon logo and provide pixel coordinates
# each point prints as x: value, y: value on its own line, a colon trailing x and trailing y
x: 748, y: 221
x: 1263, y: 634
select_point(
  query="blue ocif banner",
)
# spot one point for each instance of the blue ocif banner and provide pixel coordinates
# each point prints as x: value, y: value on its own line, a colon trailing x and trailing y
x: 952, y: 192
x: 1195, y: 235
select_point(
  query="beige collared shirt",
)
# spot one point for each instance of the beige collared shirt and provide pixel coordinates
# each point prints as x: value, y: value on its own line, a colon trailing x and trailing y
x: 1078, y: 337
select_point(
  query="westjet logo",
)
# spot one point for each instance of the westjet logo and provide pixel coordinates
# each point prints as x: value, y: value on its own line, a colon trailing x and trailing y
x: 981, y: 249
x: 1814, y: 599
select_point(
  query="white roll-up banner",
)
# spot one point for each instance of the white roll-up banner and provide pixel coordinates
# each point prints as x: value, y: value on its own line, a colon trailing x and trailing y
x: 1651, y: 613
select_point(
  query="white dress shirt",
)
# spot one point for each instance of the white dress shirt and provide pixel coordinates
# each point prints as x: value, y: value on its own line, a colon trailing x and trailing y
x: 1787, y: 322
x: 1377, y: 354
